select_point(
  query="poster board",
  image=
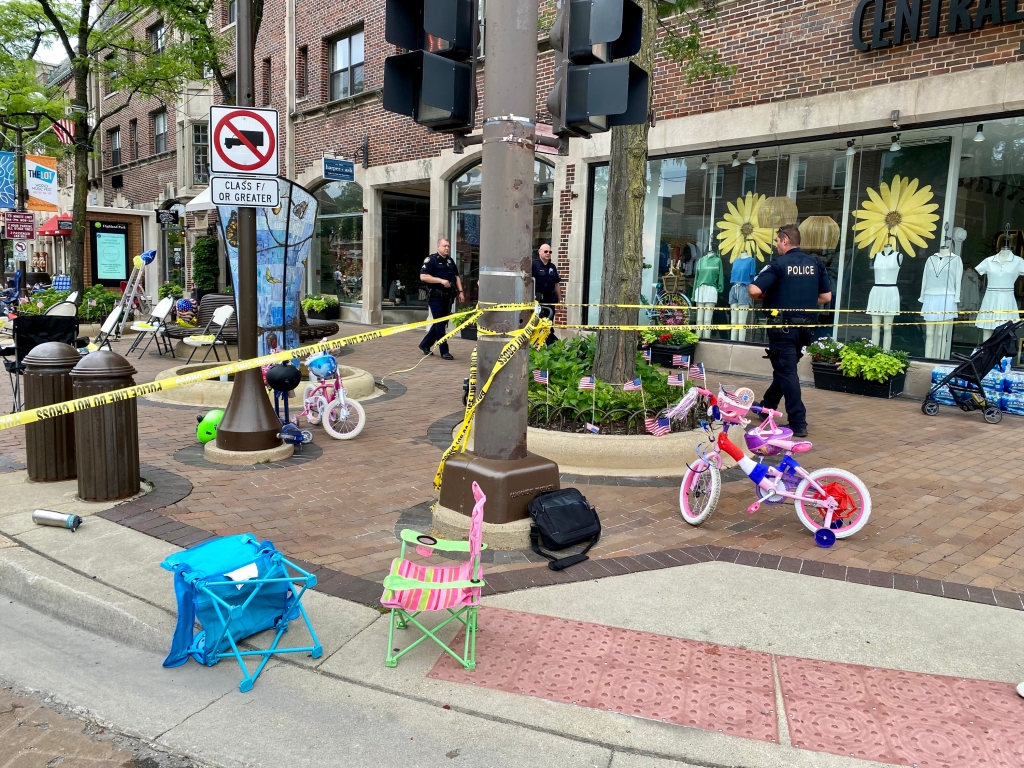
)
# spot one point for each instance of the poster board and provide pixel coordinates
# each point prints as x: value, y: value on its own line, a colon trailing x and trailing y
x: 109, y: 241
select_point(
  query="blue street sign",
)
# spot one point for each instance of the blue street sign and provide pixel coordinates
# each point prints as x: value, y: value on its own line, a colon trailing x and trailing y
x: 339, y: 170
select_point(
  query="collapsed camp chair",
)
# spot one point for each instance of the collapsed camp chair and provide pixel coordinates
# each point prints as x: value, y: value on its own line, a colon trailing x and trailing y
x: 234, y: 587
x: 154, y: 328
x: 411, y: 588
x: 220, y: 317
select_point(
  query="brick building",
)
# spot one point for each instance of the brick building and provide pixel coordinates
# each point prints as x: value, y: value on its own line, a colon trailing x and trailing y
x: 830, y: 100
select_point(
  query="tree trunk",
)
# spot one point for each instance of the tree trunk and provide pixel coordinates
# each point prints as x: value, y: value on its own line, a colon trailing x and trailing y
x: 76, y: 243
x: 615, y: 360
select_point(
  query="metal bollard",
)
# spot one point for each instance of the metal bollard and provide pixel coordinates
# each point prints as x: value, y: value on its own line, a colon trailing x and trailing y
x: 106, y: 437
x: 50, y: 443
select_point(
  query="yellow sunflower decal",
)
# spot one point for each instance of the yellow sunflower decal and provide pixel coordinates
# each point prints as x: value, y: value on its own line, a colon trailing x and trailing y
x: 898, y: 210
x: 740, y: 231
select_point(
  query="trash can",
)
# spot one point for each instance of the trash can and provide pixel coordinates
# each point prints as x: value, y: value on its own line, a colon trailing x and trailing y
x: 50, y: 443
x: 107, y: 436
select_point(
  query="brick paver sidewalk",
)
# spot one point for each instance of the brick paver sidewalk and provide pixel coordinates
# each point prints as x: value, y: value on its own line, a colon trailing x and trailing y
x: 946, y: 504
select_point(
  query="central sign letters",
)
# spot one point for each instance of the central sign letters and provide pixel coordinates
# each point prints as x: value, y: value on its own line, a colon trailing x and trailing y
x: 893, y: 22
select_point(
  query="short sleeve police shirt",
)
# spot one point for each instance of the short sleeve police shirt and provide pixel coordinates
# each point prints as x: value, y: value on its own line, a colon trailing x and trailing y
x: 440, y: 266
x: 546, y: 277
x: 793, y: 281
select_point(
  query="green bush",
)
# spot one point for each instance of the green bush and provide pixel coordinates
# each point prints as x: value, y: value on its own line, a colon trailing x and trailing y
x: 170, y: 289
x: 205, y: 266
x: 677, y: 337
x: 97, y: 303
x: 860, y: 359
x: 40, y: 302
x: 569, y: 360
x: 316, y: 302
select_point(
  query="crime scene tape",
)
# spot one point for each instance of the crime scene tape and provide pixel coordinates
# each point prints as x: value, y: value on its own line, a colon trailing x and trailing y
x: 161, y: 385
x: 471, y: 317
x: 488, y: 307
x: 533, y: 333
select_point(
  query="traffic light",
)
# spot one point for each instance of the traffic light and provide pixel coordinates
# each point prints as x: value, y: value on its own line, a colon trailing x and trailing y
x: 592, y: 91
x: 434, y: 83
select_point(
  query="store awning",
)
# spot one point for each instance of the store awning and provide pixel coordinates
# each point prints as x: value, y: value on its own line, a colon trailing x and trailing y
x: 201, y: 202
x: 56, y: 226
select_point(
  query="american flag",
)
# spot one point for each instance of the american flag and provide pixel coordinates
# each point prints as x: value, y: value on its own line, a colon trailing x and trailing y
x: 680, y: 361
x: 658, y: 427
x: 647, y: 354
x: 593, y: 428
x: 677, y: 380
x: 697, y: 371
x: 587, y: 382
x: 633, y: 386
x: 541, y: 377
x: 64, y: 130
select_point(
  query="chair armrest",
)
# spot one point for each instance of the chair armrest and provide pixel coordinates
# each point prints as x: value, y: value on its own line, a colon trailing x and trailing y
x: 412, y: 537
x: 397, y: 583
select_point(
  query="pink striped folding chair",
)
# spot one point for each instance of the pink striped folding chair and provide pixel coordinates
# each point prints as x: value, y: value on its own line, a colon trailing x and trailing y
x: 412, y: 588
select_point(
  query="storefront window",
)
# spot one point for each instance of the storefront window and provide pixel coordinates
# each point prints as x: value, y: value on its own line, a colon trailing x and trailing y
x: 465, y: 220
x: 338, y: 262
x: 959, y: 184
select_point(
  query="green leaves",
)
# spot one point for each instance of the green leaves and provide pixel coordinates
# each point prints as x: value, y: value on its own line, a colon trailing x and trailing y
x: 681, y: 21
x: 861, y: 359
x: 205, y: 266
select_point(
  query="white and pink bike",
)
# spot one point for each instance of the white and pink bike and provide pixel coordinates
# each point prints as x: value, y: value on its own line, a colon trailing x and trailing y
x: 831, y: 503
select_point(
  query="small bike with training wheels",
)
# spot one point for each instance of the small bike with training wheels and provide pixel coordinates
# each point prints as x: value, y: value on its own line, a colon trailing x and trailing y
x: 325, y: 401
x: 831, y: 503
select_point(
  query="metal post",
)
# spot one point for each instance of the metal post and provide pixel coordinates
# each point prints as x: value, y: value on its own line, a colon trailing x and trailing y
x: 499, y: 461
x: 19, y: 166
x: 249, y: 422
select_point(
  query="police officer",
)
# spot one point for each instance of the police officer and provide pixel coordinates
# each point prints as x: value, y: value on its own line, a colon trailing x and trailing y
x: 547, y: 283
x: 792, y: 286
x: 441, y: 274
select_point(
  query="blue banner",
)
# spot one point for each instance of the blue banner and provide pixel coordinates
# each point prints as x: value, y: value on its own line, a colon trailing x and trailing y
x: 283, y: 239
x: 8, y: 193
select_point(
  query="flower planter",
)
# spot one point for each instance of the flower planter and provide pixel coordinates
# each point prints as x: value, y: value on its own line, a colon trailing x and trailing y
x: 327, y: 313
x: 661, y: 354
x: 469, y: 332
x: 828, y: 376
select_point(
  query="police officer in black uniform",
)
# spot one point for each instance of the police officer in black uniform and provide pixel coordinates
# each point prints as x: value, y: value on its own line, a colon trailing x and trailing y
x: 792, y: 286
x: 442, y: 275
x: 547, y: 284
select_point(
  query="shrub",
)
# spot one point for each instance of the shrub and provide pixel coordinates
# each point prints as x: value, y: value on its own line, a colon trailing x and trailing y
x: 316, y: 302
x: 205, y: 266
x: 38, y: 303
x: 679, y: 338
x: 97, y: 303
x: 860, y: 359
x: 170, y: 289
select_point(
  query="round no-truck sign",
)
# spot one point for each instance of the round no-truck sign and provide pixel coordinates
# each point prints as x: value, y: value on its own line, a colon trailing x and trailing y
x: 244, y: 141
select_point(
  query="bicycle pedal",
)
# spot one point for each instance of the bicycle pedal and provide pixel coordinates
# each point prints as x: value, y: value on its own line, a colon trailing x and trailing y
x: 754, y: 507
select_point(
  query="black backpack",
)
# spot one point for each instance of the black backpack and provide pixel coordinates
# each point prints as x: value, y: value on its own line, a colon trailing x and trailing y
x: 561, y: 519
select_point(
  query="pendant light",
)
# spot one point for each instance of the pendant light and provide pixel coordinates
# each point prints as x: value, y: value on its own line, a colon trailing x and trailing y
x: 704, y: 163
x: 735, y: 159
x: 752, y: 160
x: 979, y: 136
x: 850, y: 151
x: 895, y: 144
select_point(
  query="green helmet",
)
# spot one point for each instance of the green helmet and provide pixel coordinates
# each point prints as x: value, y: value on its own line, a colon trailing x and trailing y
x: 207, y: 429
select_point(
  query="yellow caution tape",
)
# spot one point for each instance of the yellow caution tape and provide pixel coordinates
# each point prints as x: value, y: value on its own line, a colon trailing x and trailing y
x: 162, y: 385
x: 488, y: 307
x: 472, y: 317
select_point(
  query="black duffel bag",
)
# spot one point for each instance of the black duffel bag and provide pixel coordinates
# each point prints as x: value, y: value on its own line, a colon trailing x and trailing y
x: 560, y: 520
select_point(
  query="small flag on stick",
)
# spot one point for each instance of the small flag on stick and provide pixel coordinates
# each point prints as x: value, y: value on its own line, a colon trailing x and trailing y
x: 680, y: 361
x: 661, y: 426
x: 633, y: 386
x: 588, y: 382
x: 592, y: 428
x: 541, y: 377
x: 697, y: 371
x: 677, y: 380
x: 647, y: 354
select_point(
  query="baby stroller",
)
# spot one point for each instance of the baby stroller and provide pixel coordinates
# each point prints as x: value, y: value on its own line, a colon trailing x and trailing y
x: 965, y: 381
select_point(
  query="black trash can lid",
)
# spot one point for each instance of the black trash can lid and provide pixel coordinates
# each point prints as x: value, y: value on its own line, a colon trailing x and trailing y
x: 103, y: 364
x: 53, y: 353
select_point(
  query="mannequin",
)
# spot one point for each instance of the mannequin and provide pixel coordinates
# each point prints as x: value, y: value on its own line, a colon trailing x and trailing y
x: 708, y: 282
x: 940, y: 294
x: 999, y: 305
x: 884, y: 299
x: 743, y: 271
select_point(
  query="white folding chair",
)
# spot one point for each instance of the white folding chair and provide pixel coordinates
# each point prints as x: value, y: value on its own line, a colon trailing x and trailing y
x: 221, y: 315
x: 62, y: 309
x: 154, y: 328
x: 103, y: 337
x: 72, y: 297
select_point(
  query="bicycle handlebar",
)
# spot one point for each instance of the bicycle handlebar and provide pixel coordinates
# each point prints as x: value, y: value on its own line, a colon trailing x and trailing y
x: 766, y: 411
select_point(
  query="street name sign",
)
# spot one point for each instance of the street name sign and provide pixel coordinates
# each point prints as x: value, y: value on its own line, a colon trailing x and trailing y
x: 19, y: 226
x: 245, y: 191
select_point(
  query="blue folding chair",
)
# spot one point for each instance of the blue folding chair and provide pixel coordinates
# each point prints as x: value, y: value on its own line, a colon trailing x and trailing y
x: 235, y: 586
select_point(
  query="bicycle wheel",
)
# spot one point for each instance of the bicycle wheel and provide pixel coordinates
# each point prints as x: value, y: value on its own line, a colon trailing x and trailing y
x: 344, y: 423
x: 854, y: 502
x: 699, y: 491
x: 312, y: 404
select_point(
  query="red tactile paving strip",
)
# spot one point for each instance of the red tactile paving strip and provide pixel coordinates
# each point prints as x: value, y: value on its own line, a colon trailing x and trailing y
x: 679, y: 681
x: 906, y: 718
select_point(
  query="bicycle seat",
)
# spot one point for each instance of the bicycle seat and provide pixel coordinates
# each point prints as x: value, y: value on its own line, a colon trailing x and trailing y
x: 768, y: 442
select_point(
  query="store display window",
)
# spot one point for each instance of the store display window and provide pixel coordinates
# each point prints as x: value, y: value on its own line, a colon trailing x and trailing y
x: 339, y: 232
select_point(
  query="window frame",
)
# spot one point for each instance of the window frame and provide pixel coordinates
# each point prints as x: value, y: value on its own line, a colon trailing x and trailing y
x: 156, y: 35
x: 349, y: 69
x: 157, y: 134
x: 844, y: 161
x: 133, y: 138
x: 200, y: 177
x: 302, y: 72
x: 114, y: 139
x: 231, y: 12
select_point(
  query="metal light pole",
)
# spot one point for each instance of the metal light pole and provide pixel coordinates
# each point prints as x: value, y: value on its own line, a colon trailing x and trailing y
x: 249, y: 422
x: 499, y: 460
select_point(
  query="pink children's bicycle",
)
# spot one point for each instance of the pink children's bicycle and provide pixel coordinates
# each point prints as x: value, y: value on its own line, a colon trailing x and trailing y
x: 324, y: 402
x: 831, y: 503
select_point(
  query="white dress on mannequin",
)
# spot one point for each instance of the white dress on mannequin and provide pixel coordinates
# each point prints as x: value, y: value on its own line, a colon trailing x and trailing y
x: 884, y: 298
x: 999, y: 304
x: 940, y: 294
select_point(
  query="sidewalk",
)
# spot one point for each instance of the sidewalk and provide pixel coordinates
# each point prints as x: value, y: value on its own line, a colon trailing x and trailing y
x: 743, y: 644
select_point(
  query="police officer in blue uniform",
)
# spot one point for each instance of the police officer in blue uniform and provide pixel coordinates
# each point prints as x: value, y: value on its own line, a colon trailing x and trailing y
x: 442, y: 276
x: 792, y: 286
x: 547, y: 284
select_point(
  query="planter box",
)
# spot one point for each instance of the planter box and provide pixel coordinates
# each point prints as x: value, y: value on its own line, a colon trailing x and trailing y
x: 328, y: 313
x: 827, y: 376
x: 661, y: 354
x: 469, y: 332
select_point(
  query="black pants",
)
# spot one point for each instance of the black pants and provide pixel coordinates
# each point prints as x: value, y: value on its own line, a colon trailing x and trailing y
x: 784, y: 351
x: 440, y: 306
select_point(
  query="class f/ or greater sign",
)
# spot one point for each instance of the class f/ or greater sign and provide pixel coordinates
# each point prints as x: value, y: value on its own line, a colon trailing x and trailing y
x: 244, y: 141
x: 245, y: 191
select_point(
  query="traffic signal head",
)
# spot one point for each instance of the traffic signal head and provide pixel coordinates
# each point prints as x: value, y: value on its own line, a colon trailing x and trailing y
x: 592, y: 92
x: 434, y: 83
